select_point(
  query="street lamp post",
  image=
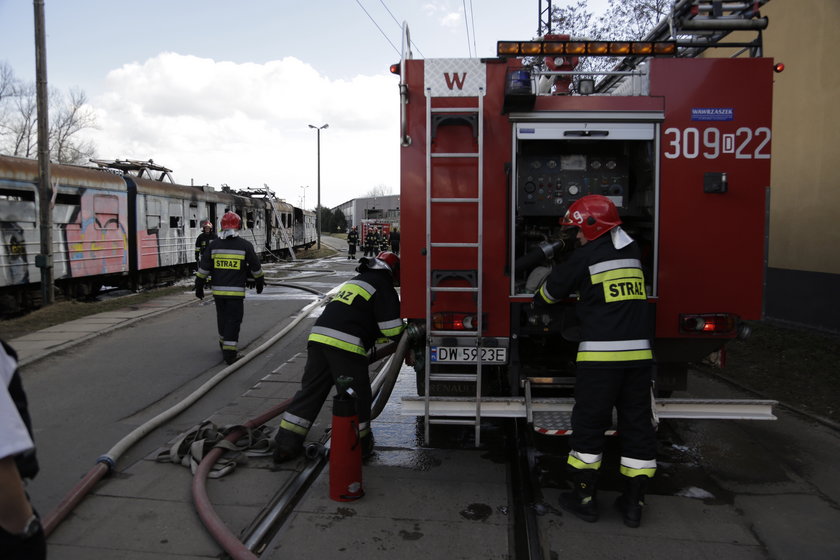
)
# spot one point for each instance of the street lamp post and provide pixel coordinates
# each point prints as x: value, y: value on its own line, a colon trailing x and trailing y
x: 318, y: 129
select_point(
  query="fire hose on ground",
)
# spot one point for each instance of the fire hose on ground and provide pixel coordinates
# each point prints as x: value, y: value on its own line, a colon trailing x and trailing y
x: 381, y: 386
x: 107, y: 462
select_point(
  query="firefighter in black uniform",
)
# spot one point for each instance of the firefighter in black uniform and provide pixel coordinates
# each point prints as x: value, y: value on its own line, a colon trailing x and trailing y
x: 352, y: 241
x: 204, y: 238
x: 395, y: 241
x: 364, y: 309
x: 614, y: 359
x: 384, y: 245
x: 370, y: 242
x: 234, y: 264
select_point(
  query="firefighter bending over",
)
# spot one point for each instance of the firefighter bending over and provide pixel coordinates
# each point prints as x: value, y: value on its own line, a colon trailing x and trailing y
x: 614, y: 359
x: 364, y: 309
x: 234, y: 264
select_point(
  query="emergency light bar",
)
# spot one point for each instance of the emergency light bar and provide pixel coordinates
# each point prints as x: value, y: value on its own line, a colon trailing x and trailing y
x: 586, y: 48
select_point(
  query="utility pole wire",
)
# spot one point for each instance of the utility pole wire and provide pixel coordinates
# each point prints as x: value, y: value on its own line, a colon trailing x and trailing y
x: 472, y: 22
x: 379, y: 28
x: 467, y: 25
x: 400, y: 26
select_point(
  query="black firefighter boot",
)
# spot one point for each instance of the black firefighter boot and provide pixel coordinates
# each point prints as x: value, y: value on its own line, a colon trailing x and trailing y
x: 581, y: 500
x: 630, y: 503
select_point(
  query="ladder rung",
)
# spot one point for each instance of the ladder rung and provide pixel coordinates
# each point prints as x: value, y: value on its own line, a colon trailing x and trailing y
x: 456, y: 109
x: 455, y: 154
x: 453, y: 289
x: 456, y: 199
x: 465, y: 377
x: 455, y: 245
x: 453, y: 421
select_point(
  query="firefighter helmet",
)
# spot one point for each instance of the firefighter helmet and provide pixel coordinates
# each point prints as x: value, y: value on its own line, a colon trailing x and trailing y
x: 206, y: 224
x: 392, y: 261
x: 231, y: 220
x: 593, y: 214
x: 385, y: 260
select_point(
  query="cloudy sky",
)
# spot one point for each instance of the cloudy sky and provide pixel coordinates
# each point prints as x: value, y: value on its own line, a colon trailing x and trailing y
x: 223, y: 92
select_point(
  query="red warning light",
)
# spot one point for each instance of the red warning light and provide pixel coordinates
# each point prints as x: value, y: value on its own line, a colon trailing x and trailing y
x: 778, y: 67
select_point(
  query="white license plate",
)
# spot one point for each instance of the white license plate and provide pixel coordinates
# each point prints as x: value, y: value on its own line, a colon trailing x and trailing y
x: 468, y: 354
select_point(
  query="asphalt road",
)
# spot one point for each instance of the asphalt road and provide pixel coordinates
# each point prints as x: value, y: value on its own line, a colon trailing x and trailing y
x: 724, y: 489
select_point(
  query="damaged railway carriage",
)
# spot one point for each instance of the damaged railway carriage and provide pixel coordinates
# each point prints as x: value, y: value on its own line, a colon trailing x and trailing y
x: 121, y: 229
x: 493, y: 154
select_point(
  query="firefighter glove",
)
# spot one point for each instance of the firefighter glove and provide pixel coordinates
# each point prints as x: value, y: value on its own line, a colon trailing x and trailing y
x: 250, y: 283
x: 199, y: 288
x: 260, y: 284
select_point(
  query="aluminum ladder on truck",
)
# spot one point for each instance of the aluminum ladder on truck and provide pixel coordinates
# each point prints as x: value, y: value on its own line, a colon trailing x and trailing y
x: 438, y: 114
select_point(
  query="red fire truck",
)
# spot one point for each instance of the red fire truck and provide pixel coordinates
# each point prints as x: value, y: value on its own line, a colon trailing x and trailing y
x: 495, y: 150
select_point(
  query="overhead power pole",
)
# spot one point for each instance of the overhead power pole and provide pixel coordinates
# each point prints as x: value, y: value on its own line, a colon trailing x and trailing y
x: 43, y: 261
x: 544, y: 20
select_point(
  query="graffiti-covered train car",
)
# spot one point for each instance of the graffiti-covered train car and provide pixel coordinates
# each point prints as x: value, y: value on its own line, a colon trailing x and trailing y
x: 122, y: 230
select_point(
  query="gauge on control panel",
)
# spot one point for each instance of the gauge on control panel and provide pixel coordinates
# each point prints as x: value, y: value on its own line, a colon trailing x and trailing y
x: 611, y: 164
x: 551, y: 164
x: 536, y: 164
x: 573, y: 189
x: 530, y: 187
x: 595, y: 164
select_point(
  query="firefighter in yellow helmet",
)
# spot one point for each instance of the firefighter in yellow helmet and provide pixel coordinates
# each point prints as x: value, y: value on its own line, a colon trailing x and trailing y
x: 234, y: 264
x: 365, y: 309
x: 614, y: 359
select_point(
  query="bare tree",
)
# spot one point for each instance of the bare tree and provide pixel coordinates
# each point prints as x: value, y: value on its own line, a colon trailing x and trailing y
x: 379, y: 190
x: 633, y: 19
x: 68, y: 118
x: 622, y: 20
x: 7, y: 79
x: 23, y: 126
x: 69, y: 115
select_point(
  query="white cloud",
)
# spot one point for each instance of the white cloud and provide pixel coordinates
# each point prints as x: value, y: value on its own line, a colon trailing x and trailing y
x: 446, y: 14
x: 244, y: 125
x: 452, y: 19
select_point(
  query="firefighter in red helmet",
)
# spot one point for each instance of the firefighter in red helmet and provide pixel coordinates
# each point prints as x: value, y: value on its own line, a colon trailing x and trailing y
x: 614, y: 360
x: 363, y: 310
x: 234, y: 264
x: 204, y: 238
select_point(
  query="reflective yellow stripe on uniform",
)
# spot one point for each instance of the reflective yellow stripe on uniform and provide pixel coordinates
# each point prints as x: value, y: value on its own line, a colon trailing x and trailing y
x: 295, y: 424
x: 229, y: 291
x: 637, y: 467
x: 614, y: 351
x: 338, y: 339
x: 349, y: 290
x: 547, y: 297
x: 578, y: 460
x: 391, y: 328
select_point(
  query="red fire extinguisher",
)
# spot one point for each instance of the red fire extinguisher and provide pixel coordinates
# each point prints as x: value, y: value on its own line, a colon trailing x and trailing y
x: 345, y: 446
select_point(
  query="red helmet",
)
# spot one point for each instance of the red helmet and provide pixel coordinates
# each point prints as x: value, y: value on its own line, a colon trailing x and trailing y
x: 392, y: 261
x: 594, y: 214
x: 231, y: 220
x: 206, y: 223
